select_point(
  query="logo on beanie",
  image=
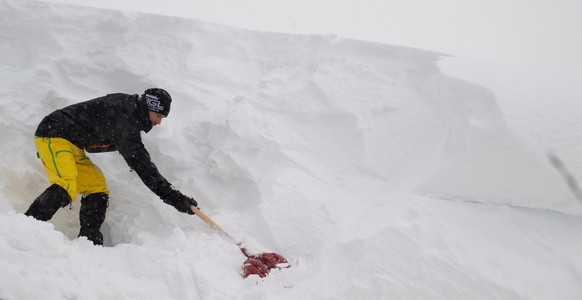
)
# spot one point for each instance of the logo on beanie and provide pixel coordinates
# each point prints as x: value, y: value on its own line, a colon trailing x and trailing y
x: 154, y: 103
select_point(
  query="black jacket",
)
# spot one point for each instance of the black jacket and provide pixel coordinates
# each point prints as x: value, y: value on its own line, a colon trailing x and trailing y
x: 109, y: 123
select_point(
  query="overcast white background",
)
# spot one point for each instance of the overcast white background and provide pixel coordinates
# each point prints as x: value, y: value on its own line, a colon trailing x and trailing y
x: 540, y: 35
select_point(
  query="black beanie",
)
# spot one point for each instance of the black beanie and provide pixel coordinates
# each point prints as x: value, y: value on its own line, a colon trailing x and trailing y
x: 158, y: 100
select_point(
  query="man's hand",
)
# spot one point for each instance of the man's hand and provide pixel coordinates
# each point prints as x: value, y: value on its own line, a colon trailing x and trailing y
x: 181, y: 202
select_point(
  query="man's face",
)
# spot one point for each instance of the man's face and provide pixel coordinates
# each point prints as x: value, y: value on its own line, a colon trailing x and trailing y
x: 156, y: 118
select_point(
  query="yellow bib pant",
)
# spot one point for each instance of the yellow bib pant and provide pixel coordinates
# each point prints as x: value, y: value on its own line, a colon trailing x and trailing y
x: 69, y: 167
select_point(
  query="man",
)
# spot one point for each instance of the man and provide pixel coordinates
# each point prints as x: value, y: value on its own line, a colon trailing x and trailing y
x: 109, y: 123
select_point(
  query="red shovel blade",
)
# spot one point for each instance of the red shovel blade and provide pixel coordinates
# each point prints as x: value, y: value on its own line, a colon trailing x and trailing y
x: 273, y: 260
x: 261, y: 264
x: 253, y: 266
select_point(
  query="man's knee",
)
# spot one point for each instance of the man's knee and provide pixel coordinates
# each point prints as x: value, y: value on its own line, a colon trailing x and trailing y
x: 46, y: 205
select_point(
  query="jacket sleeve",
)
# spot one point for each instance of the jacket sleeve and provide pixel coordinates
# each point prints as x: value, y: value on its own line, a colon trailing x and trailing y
x: 138, y: 158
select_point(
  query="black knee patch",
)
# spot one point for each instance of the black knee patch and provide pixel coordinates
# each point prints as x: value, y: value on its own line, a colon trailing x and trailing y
x: 46, y: 204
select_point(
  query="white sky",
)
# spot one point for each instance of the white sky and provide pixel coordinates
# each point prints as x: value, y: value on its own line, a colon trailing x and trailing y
x: 537, y: 34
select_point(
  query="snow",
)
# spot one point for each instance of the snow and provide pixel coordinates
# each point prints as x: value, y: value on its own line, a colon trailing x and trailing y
x: 379, y: 171
x: 541, y: 34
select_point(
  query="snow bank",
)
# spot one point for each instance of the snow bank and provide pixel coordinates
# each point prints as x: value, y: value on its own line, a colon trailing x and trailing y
x: 375, y: 169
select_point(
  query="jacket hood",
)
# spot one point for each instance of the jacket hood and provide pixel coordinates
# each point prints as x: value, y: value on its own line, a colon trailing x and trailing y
x: 142, y: 112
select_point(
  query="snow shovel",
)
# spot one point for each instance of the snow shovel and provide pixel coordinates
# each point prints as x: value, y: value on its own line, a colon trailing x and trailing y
x: 256, y: 264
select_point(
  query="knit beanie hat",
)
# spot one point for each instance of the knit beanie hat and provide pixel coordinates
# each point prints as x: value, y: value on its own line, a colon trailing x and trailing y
x: 157, y: 100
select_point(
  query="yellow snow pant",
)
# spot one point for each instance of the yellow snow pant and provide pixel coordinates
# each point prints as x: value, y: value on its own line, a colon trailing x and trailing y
x: 68, y: 166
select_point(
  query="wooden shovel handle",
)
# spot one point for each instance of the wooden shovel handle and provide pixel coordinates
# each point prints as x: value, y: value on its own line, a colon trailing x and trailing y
x: 219, y: 229
x: 208, y: 220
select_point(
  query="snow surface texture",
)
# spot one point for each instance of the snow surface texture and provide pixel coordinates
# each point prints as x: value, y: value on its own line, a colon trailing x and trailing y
x: 380, y: 172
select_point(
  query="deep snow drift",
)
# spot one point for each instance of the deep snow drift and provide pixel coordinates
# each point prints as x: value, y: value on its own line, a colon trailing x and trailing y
x: 381, y: 172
